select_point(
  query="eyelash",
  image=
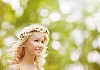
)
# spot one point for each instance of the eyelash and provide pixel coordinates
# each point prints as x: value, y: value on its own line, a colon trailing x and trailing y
x: 42, y: 41
x: 37, y: 41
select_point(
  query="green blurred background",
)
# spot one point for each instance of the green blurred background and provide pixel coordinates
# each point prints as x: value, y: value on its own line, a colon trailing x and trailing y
x: 74, y: 30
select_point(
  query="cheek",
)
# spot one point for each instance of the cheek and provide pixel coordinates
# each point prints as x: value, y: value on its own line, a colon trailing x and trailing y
x: 31, y: 47
x: 32, y: 44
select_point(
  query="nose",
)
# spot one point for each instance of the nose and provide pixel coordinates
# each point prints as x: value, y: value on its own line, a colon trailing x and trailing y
x: 40, y: 45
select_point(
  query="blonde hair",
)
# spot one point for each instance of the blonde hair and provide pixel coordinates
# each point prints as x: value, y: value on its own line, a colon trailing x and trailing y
x: 17, y: 51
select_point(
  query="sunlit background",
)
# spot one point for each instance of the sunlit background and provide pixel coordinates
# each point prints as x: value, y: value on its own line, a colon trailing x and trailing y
x: 74, y: 30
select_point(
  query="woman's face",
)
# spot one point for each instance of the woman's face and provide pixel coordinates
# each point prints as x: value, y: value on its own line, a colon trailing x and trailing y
x: 35, y: 44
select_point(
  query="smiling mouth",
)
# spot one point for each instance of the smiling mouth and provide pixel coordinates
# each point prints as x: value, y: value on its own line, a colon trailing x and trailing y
x: 39, y: 50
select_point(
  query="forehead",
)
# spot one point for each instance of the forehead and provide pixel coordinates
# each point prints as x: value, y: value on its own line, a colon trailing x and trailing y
x: 37, y: 35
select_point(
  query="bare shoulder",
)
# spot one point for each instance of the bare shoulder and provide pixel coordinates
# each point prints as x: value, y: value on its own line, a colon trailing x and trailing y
x: 12, y: 67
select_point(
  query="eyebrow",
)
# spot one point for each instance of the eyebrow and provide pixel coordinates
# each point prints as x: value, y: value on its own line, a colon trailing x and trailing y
x: 39, y: 38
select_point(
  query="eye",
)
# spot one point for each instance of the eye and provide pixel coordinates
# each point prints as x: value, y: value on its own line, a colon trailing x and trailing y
x: 42, y: 41
x: 35, y: 40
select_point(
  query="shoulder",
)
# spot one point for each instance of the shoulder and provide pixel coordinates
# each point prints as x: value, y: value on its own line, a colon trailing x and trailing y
x: 12, y: 67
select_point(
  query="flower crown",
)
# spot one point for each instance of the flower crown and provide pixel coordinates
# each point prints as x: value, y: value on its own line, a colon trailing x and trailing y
x: 29, y: 30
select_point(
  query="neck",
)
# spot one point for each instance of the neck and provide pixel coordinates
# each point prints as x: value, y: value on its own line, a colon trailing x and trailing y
x: 27, y: 59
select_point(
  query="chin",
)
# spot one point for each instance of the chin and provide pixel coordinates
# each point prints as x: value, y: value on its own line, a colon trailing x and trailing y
x: 38, y: 55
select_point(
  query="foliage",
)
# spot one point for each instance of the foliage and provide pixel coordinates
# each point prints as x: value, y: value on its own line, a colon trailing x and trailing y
x: 74, y: 31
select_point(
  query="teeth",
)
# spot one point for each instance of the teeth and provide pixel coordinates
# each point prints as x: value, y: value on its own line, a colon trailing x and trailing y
x: 38, y: 49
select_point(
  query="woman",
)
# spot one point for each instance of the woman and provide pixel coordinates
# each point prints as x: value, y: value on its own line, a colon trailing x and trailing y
x: 30, y: 51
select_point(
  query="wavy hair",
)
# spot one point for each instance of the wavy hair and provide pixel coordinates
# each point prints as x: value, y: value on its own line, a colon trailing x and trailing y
x: 17, y: 51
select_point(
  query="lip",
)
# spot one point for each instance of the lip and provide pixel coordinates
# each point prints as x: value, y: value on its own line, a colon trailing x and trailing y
x: 38, y: 50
